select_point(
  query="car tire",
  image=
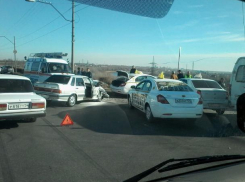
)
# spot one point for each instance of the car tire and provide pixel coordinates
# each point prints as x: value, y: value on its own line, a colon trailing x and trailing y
x: 220, y: 112
x: 148, y: 114
x: 31, y: 120
x: 130, y: 103
x: 72, y: 100
x: 99, y: 97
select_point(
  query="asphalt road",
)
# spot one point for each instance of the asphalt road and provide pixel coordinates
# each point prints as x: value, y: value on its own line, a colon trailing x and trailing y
x: 108, y: 142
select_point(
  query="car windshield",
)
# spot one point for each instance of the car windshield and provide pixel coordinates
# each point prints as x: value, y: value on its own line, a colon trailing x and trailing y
x: 173, y: 86
x: 58, y: 68
x: 15, y: 86
x: 59, y: 79
x: 205, y: 84
x: 170, y: 84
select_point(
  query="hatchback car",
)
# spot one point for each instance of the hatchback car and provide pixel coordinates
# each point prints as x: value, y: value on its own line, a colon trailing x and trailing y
x: 213, y: 95
x: 165, y: 98
x: 18, y: 99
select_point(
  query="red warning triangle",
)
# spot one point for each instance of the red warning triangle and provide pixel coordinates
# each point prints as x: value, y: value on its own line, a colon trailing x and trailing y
x: 67, y: 121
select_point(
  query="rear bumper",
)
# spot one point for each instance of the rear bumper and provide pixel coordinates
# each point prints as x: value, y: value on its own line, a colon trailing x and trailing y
x: 163, y: 111
x: 54, y: 97
x: 22, y: 115
x: 216, y: 105
x: 120, y: 90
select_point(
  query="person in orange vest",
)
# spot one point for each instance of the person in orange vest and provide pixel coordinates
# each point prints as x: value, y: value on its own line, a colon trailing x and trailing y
x: 174, y: 76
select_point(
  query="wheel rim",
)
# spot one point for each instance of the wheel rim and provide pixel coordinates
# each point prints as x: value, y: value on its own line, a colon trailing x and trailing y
x: 148, y: 112
x: 72, y: 100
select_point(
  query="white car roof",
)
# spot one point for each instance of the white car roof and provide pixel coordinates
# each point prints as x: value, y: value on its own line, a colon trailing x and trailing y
x: 199, y: 79
x: 167, y: 80
x: 5, y: 76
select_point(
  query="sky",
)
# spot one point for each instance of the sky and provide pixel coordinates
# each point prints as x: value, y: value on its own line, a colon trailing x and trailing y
x: 209, y: 32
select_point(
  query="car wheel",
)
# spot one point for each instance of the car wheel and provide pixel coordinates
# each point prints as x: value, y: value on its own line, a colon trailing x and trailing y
x: 148, y: 114
x: 130, y: 103
x: 220, y: 112
x: 72, y: 100
x: 30, y: 119
x: 99, y: 97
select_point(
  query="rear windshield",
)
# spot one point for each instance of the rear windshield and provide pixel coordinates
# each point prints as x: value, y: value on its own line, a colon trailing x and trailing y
x: 205, y: 84
x: 15, y: 86
x: 59, y: 79
x: 173, y: 86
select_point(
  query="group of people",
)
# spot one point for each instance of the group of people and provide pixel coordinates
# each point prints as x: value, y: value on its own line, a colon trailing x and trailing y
x: 180, y: 75
x: 84, y: 73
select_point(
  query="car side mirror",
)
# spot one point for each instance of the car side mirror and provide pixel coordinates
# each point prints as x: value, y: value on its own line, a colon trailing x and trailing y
x: 133, y: 87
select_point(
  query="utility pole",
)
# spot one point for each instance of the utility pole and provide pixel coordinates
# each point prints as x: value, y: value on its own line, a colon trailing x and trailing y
x: 179, y: 56
x: 153, y: 66
x: 72, y: 37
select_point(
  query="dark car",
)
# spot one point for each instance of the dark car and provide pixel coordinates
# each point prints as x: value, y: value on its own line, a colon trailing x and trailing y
x: 7, y: 69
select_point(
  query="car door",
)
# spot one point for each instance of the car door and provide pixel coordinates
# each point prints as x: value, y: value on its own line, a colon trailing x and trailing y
x: 80, y: 88
x: 135, y: 95
x: 143, y: 94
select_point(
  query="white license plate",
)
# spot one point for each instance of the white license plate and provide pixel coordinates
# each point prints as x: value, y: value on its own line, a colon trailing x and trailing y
x: 183, y: 101
x: 18, y: 106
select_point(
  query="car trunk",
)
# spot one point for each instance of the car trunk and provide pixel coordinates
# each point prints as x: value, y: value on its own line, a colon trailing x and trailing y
x: 47, y: 87
x: 182, y: 99
x: 119, y: 81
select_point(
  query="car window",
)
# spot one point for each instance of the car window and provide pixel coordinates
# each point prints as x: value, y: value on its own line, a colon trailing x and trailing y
x: 43, y: 68
x: 147, y: 86
x: 63, y: 79
x: 205, y: 84
x: 183, y: 80
x: 140, y: 78
x: 173, y: 86
x: 15, y: 86
x: 35, y: 66
x: 140, y: 86
x: 240, y: 75
x: 79, y: 82
x: 86, y: 80
x: 73, y: 82
x: 58, y: 68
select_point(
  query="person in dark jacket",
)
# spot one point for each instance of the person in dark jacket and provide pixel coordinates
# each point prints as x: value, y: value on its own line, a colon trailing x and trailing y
x: 133, y: 69
x: 88, y: 73
x: 83, y: 72
x: 180, y: 74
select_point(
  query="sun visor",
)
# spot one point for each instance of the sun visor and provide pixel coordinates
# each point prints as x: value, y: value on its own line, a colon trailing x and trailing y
x: 146, y: 8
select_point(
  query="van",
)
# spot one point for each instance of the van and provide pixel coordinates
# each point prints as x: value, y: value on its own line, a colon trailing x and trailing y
x: 237, y: 82
x: 40, y: 66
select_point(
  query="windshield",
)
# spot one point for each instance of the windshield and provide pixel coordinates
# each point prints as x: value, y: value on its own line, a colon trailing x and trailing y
x: 205, y: 84
x: 173, y: 86
x: 15, y: 86
x: 58, y: 79
x: 58, y: 68
x: 170, y: 84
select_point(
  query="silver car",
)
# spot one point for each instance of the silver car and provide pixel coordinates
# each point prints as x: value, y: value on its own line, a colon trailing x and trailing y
x: 213, y: 95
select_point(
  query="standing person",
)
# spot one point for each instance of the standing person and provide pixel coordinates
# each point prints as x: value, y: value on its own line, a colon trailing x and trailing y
x: 174, y: 76
x: 83, y: 72
x: 222, y: 83
x: 180, y: 74
x: 78, y: 71
x: 188, y: 75
x: 88, y: 73
x: 133, y: 69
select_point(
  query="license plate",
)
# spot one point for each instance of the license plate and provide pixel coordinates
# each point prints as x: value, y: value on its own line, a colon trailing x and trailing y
x: 214, y: 105
x: 183, y: 101
x: 18, y: 106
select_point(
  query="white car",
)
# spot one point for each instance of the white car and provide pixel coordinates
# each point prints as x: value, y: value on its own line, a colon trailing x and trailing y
x: 18, y: 99
x: 123, y: 83
x: 213, y: 95
x: 69, y: 89
x: 165, y: 98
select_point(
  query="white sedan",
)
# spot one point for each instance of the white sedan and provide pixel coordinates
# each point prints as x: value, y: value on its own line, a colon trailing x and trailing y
x: 70, y: 89
x: 165, y: 98
x: 18, y: 99
x: 123, y: 84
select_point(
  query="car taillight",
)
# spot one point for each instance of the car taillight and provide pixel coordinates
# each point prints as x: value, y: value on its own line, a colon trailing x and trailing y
x: 200, y: 101
x: 36, y: 88
x: 122, y: 85
x: 162, y: 99
x: 56, y: 91
x: 38, y: 105
x: 3, y: 107
x: 199, y: 92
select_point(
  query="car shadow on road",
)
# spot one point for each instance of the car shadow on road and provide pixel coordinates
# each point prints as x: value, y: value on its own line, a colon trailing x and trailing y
x: 120, y: 119
x: 8, y: 124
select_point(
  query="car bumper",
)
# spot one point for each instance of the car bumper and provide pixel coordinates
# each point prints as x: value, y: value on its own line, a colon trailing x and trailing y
x: 22, y: 115
x: 173, y: 112
x: 216, y: 105
x: 120, y: 90
x: 54, y: 97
